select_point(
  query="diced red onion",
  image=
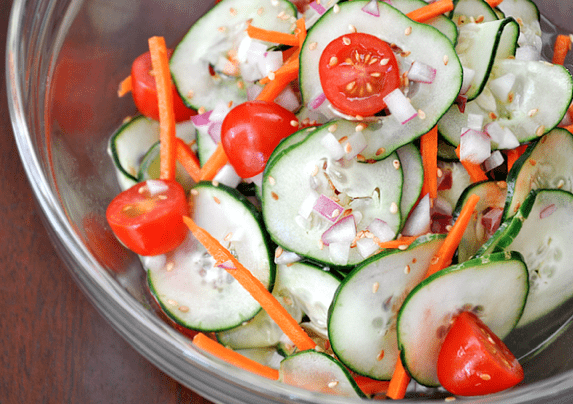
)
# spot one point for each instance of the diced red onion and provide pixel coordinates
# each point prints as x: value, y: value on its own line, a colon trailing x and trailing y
x: 307, y: 205
x: 214, y: 131
x: 366, y: 247
x: 227, y: 265
x: 381, y: 230
x: 491, y: 220
x: 317, y: 101
x: 156, y: 186
x: 319, y: 8
x: 372, y: 8
x: 418, y: 222
x: 355, y: 144
x: 421, y: 72
x: 468, y: 78
x: 445, y: 182
x: 202, y: 119
x: 400, y: 107
x: 228, y: 176
x: 503, y: 137
x: 288, y: 99
x: 327, y: 208
x: 501, y: 86
x: 343, y: 231
x: 495, y: 160
x: 475, y: 121
x: 548, y: 211
x: 461, y: 102
x: 475, y: 146
x: 339, y: 253
x: 332, y: 146
x: 442, y: 206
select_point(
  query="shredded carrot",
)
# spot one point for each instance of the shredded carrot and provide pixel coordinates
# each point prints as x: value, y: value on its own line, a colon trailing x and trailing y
x: 474, y: 170
x: 272, y: 36
x: 432, y: 10
x: 274, y: 87
x: 125, y: 86
x: 188, y: 160
x: 212, y: 166
x: 370, y: 386
x: 257, y: 290
x: 162, y: 74
x: 300, y: 31
x: 401, y: 242
x: 514, y: 154
x: 429, y: 151
x: 399, y: 382
x: 561, y: 49
x: 569, y: 128
x: 444, y: 255
x: 494, y: 3
x: 234, y: 358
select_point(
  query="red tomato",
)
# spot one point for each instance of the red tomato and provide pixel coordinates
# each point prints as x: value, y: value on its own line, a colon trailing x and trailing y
x: 251, y: 131
x: 149, y: 224
x: 356, y: 72
x: 144, y: 91
x: 474, y: 361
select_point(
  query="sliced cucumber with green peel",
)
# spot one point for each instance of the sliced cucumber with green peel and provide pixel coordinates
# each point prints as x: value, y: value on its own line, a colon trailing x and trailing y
x: 494, y: 287
x: 215, y: 36
x: 442, y: 23
x: 306, y: 172
x: 206, y: 146
x: 189, y: 287
x: 460, y: 180
x: 479, y: 45
x: 420, y: 42
x: 150, y: 167
x: 317, y: 371
x: 540, y: 98
x: 489, y: 208
x: 477, y: 10
x: 526, y: 14
x: 547, y: 163
x: 413, y: 171
x: 362, y: 318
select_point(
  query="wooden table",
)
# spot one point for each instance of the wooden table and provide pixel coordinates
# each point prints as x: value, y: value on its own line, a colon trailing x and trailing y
x: 55, y: 347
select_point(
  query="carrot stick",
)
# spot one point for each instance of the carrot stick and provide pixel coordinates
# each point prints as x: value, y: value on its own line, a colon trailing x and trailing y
x: 160, y: 64
x: 401, y: 242
x: 125, y: 86
x: 272, y: 36
x: 514, y: 154
x: 399, y: 382
x: 274, y: 87
x: 370, y: 386
x: 300, y: 31
x: 474, y: 170
x: 569, y: 128
x: 212, y: 166
x: 234, y: 358
x: 561, y: 49
x: 432, y: 10
x: 188, y: 160
x: 429, y: 151
x: 494, y: 3
x: 267, y: 301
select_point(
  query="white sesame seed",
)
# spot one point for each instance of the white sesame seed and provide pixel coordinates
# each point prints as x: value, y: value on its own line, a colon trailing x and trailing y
x: 407, y: 269
x: 375, y: 287
x: 294, y: 123
x: 560, y: 184
x: 384, y: 62
x: 194, y: 192
x: 533, y: 112
x: 332, y: 128
x: 217, y: 200
x: 215, y: 183
x: 172, y: 302
x: 446, y: 60
x: 449, y: 399
x: 485, y: 376
x: 183, y: 309
x: 333, y: 61
x: 352, y: 28
x: 336, y: 9
x: 421, y: 114
x: 346, y: 40
x: 260, y: 11
x: 540, y: 131
x: 360, y: 127
x: 233, y: 11
x: 272, y: 180
x: 394, y: 208
x: 312, y: 45
x: 408, y: 31
x: 396, y: 164
x: 278, y: 252
x: 271, y: 76
x: 333, y: 384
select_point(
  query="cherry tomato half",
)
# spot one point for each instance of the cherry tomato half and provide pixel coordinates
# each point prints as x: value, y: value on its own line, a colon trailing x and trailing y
x: 251, y: 131
x: 144, y: 91
x: 356, y: 72
x: 150, y: 223
x: 474, y: 361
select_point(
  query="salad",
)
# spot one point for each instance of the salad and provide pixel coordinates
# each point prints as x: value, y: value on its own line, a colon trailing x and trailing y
x: 362, y: 198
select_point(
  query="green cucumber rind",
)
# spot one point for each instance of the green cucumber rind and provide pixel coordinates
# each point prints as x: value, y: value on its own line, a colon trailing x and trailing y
x: 481, y: 7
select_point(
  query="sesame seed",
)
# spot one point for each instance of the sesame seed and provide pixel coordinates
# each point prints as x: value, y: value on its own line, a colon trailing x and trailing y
x: 533, y: 112
x: 230, y: 104
x: 532, y: 162
x: 421, y: 114
x: 485, y: 376
x: 492, y: 116
x: 352, y: 28
x: 275, y: 196
x: 380, y: 355
x: 271, y: 76
x: 333, y: 384
x: 434, y: 260
x: 278, y: 252
x: 190, y: 94
x: 501, y: 184
x: 275, y: 2
x: 260, y: 11
x: 281, y: 15
x: 215, y: 183
x: 333, y: 61
x: 407, y: 269
x: 384, y: 62
x: 403, y: 247
x: 142, y: 190
x: 228, y: 236
x: 272, y: 180
x: 240, y: 85
x: 127, y: 208
x: 194, y: 192
x: 375, y: 287
x: 380, y: 151
x: 472, y: 19
x: 405, y: 54
x: 449, y: 227
x: 358, y: 117
x: 162, y: 197
x: 393, y: 208
x: 233, y: 11
x: 360, y: 127
x: 222, y: 29
x: 312, y: 46
x: 396, y: 164
x: 335, y: 213
x: 169, y: 266
x: 408, y: 31
x: 449, y: 399
x: 480, y: 18
x: 547, y: 63
x: 376, y: 74
x: 446, y: 60
x: 320, y: 244
x: 217, y: 200
x: 294, y: 123
x: 183, y: 309
x: 350, y: 86
x: 540, y: 131
x: 346, y: 40
x: 560, y: 184
x: 201, y: 110
x: 172, y: 302
x: 336, y: 9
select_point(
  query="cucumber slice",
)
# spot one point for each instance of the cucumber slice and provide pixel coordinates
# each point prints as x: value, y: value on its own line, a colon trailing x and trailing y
x: 540, y: 231
x: 532, y: 110
x: 492, y: 198
x: 479, y: 45
x: 460, y: 180
x: 130, y: 143
x: 442, y: 23
x: 545, y: 164
x: 413, y: 171
x: 317, y: 371
x: 361, y: 323
x: 371, y: 191
x: 150, y: 167
x: 265, y: 356
x: 217, y: 35
x: 468, y: 11
x: 424, y: 44
x: 206, y: 146
x: 526, y: 13
x: 190, y: 289
x: 495, y: 287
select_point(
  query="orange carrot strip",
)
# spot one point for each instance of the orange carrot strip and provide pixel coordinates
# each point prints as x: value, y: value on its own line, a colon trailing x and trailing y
x: 399, y: 382
x: 370, y: 386
x: 289, y: 67
x: 272, y: 36
x: 494, y: 3
x: 188, y: 160
x: 432, y: 10
x: 160, y: 64
x: 212, y: 166
x: 569, y: 128
x: 401, y: 242
x: 561, y: 49
x: 234, y: 358
x: 443, y: 257
x: 125, y: 86
x: 274, y: 87
x: 514, y: 154
x: 257, y: 290
x: 300, y: 31
x: 474, y: 170
x: 429, y: 151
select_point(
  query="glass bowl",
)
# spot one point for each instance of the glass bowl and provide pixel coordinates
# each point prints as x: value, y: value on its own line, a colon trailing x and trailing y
x: 65, y: 59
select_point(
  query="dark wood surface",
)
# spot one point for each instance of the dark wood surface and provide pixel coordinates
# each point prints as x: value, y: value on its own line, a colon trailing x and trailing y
x: 54, y: 346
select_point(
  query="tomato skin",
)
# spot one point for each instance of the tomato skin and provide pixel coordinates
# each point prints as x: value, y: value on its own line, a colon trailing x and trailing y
x: 474, y: 361
x: 352, y: 77
x: 251, y: 131
x: 149, y: 224
x: 144, y: 91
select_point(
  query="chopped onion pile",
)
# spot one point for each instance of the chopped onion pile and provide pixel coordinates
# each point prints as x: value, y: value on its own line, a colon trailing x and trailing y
x: 342, y: 232
x: 475, y: 146
x: 372, y: 8
x: 503, y: 137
